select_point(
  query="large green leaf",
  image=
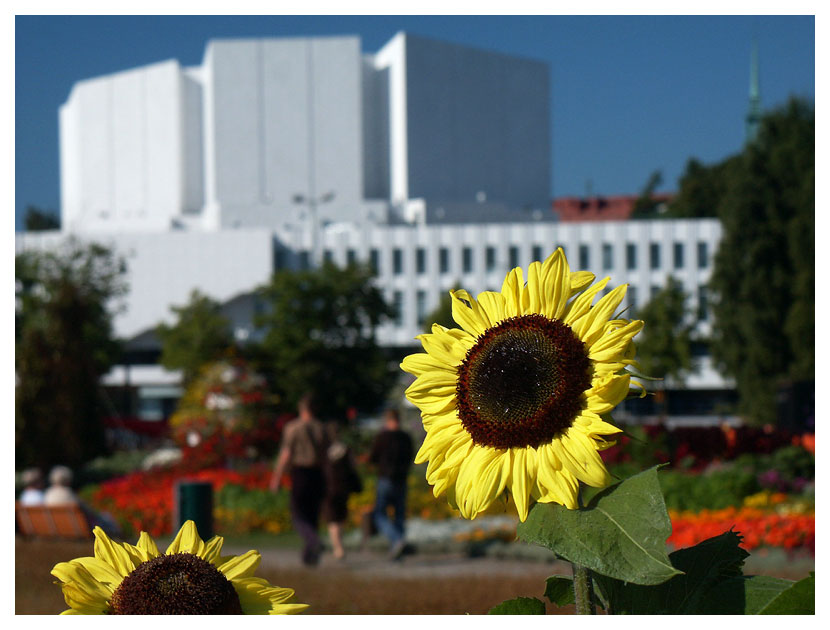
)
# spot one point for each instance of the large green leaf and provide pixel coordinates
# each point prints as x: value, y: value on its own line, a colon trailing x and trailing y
x: 519, y: 606
x: 560, y: 590
x: 798, y: 599
x: 705, y: 566
x: 621, y: 533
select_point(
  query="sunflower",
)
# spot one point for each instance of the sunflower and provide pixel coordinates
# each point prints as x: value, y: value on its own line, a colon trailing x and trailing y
x: 512, y: 402
x: 189, y: 578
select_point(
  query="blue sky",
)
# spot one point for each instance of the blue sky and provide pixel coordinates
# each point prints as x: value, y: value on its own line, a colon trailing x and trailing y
x: 629, y: 94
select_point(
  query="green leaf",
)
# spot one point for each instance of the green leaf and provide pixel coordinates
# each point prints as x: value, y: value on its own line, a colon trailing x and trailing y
x: 798, y: 599
x: 621, y: 533
x: 705, y: 567
x: 519, y: 606
x: 560, y: 590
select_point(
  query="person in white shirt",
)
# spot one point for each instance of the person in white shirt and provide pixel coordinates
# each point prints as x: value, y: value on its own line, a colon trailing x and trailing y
x: 32, y: 487
x: 59, y: 491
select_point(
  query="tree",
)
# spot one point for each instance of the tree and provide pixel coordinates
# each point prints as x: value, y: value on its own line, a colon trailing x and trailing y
x: 702, y: 189
x: 764, y: 274
x: 646, y: 206
x: 664, y: 348
x: 200, y: 335
x: 320, y: 337
x: 37, y: 220
x: 64, y: 345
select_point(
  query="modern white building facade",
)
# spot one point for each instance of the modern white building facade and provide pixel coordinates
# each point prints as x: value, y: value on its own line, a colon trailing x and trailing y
x: 427, y: 159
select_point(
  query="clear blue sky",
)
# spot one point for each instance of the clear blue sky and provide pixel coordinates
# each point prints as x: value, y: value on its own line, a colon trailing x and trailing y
x: 630, y: 95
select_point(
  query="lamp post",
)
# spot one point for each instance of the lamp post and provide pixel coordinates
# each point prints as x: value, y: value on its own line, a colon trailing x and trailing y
x: 313, y: 203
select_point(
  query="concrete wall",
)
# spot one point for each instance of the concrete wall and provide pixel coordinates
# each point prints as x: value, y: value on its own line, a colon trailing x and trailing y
x: 477, y: 121
x: 284, y: 118
x: 122, y: 146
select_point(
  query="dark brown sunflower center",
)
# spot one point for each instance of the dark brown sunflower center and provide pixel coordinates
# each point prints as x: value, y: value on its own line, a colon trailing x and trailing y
x: 522, y: 383
x: 178, y: 584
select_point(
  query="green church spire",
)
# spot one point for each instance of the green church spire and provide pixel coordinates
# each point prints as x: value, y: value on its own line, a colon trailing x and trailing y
x: 753, y: 115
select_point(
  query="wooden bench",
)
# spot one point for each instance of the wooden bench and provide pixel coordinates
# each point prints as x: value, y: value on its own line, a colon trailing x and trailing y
x: 54, y: 522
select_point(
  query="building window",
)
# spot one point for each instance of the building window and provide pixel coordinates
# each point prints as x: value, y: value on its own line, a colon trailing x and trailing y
x: 421, y: 306
x: 351, y: 256
x: 303, y: 260
x: 702, y: 302
x: 584, y: 257
x: 607, y: 256
x: 632, y: 302
x: 397, y: 261
x: 678, y: 255
x: 397, y: 305
x: 467, y: 259
x: 328, y: 256
x: 630, y: 256
x: 444, y: 260
x: 420, y: 260
x: 374, y: 260
x: 491, y: 258
x: 654, y: 255
x: 702, y: 254
x: 537, y: 253
x: 513, y: 253
x: 654, y: 291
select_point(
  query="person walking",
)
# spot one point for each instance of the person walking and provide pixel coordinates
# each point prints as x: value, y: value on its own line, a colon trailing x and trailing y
x: 303, y: 454
x: 342, y: 480
x: 392, y: 454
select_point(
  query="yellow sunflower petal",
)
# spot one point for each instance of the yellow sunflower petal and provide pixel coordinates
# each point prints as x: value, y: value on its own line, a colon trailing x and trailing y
x: 481, y: 480
x: 471, y: 318
x: 241, y: 566
x: 512, y: 289
x: 614, y: 344
x: 187, y: 541
x: 258, y: 597
x: 420, y: 363
x: 604, y: 397
x: 534, y: 299
x: 580, y: 280
x: 593, y: 324
x: 556, y: 484
x: 557, y: 284
x: 112, y: 553
x: 580, y: 458
x: 519, y: 486
x: 80, y: 588
x: 99, y: 570
x: 581, y: 305
x: 494, y: 305
x: 213, y: 549
x: 593, y: 426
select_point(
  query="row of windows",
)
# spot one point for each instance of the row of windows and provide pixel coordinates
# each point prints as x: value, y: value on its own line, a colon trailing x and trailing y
x: 421, y: 309
x: 632, y: 262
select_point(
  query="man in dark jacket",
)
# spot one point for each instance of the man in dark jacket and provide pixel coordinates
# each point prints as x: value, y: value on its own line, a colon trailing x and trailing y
x: 392, y: 454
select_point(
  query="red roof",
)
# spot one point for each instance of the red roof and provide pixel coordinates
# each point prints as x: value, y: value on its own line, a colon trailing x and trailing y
x: 614, y: 208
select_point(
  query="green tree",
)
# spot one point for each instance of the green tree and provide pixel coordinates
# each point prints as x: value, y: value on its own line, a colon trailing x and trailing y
x: 702, y: 189
x: 36, y: 220
x: 646, y: 206
x: 320, y: 336
x: 200, y: 335
x: 64, y: 344
x: 764, y: 275
x: 664, y: 348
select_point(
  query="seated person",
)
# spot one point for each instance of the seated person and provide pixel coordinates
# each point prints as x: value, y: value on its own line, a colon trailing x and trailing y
x: 32, y: 487
x: 60, y: 491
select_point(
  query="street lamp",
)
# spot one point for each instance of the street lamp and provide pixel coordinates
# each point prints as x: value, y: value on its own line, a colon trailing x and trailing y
x: 312, y: 203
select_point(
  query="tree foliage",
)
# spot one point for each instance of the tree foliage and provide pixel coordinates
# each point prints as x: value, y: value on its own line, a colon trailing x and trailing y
x: 37, y: 220
x: 320, y: 336
x: 645, y: 207
x: 664, y: 348
x: 200, y: 335
x: 764, y: 275
x: 64, y: 344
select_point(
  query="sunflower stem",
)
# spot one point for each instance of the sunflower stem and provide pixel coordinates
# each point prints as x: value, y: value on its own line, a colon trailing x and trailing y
x: 583, y: 590
x: 583, y: 582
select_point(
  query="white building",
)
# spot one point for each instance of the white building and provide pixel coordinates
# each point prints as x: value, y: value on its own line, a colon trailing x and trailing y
x: 428, y: 159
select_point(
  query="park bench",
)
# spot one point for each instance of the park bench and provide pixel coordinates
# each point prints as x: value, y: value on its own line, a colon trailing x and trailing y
x: 55, y: 522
